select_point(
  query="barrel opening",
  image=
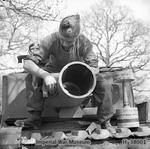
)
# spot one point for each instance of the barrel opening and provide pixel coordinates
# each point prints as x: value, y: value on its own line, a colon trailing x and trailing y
x: 77, y: 79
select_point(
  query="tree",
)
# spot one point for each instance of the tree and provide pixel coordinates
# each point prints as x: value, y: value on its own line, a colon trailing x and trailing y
x: 20, y: 21
x: 119, y: 39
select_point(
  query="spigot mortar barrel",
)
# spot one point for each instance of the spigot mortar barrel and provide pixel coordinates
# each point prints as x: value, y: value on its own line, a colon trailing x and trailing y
x: 75, y: 83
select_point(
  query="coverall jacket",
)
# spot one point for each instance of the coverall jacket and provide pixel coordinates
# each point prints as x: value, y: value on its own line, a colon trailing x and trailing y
x: 51, y: 56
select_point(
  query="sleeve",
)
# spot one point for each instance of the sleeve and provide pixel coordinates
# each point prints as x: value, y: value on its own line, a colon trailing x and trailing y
x: 89, y: 56
x: 39, y: 52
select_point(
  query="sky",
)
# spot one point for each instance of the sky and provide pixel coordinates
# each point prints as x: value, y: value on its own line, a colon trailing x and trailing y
x: 77, y: 6
x: 140, y: 8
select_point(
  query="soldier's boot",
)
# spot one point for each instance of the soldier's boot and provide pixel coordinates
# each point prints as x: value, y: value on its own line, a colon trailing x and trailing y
x: 107, y: 125
x: 32, y: 122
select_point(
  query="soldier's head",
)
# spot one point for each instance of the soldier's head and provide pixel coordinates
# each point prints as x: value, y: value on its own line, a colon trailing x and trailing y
x: 69, y: 30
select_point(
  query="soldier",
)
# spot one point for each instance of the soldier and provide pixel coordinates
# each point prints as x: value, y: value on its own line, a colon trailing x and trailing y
x: 54, y: 52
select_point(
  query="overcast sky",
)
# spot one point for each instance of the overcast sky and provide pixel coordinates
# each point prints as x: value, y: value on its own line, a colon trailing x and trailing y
x: 141, y: 8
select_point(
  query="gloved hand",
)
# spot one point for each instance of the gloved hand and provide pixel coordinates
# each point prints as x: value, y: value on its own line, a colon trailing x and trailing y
x: 50, y: 84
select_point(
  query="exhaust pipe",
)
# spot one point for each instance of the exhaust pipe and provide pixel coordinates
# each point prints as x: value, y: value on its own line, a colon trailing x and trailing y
x: 75, y: 83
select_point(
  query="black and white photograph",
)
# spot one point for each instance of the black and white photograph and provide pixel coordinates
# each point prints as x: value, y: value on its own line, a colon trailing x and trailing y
x: 74, y: 74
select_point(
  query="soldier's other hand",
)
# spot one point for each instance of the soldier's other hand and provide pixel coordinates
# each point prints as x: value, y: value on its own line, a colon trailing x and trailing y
x: 50, y: 83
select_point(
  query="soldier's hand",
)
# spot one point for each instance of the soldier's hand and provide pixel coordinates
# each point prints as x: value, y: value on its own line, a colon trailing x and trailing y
x: 50, y: 83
